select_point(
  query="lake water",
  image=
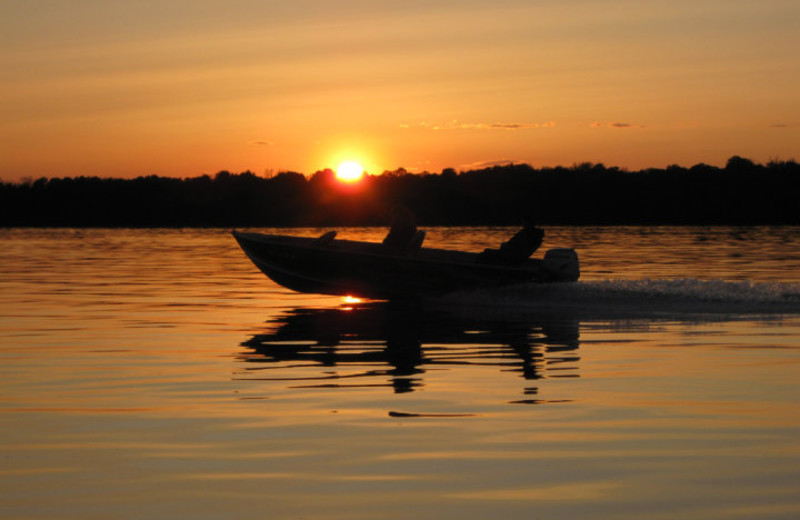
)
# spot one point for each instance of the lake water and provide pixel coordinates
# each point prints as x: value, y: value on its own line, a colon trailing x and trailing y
x: 156, y: 374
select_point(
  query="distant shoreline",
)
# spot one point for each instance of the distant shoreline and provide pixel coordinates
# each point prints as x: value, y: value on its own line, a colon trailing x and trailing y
x: 741, y: 193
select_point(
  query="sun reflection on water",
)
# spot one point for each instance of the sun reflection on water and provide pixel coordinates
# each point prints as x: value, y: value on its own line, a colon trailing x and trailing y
x: 152, y: 371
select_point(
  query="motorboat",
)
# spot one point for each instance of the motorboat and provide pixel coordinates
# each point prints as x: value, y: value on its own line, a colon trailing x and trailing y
x: 328, y: 265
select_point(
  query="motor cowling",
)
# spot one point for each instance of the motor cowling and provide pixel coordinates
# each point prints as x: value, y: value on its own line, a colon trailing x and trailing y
x: 561, y: 264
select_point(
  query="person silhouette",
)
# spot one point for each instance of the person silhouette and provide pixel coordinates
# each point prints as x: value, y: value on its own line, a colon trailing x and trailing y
x: 403, y: 234
x: 519, y: 247
x: 523, y: 244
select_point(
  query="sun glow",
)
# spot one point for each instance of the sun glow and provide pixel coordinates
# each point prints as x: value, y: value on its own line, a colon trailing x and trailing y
x: 349, y: 303
x: 349, y: 171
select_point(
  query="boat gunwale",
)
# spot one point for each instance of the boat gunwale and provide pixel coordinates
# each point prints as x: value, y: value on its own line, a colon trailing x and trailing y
x: 379, y: 250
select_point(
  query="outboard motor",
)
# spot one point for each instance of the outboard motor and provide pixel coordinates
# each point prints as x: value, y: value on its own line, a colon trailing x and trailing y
x: 561, y: 265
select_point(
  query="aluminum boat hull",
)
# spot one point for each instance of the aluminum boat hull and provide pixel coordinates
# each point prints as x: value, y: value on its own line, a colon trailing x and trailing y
x: 375, y: 271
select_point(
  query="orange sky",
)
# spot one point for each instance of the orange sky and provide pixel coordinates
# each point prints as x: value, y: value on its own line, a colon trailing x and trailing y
x: 181, y: 88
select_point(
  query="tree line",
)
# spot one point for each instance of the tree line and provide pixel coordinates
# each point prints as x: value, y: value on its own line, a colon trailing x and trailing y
x: 741, y: 193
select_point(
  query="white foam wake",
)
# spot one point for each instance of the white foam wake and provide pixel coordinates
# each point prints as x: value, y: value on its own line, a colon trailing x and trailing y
x: 689, y: 295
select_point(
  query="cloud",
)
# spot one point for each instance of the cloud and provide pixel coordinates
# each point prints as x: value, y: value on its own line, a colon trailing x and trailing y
x: 261, y: 143
x: 457, y: 125
x: 506, y: 126
x: 615, y: 124
x: 487, y: 164
x: 779, y: 125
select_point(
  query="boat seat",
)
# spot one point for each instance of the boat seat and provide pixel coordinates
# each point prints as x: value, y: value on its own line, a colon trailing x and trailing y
x: 496, y: 257
x: 404, y: 246
x: 416, y: 241
x: 325, y: 239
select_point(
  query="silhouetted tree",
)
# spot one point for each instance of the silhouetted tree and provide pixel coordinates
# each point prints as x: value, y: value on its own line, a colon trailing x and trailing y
x: 742, y: 192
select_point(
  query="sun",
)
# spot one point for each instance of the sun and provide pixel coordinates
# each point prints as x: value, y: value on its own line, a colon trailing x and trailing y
x: 349, y: 171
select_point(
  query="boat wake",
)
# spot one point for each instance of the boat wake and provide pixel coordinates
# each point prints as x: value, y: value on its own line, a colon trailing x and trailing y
x: 642, y: 296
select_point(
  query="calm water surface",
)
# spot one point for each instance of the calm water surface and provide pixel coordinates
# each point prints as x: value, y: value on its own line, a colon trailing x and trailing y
x: 156, y: 374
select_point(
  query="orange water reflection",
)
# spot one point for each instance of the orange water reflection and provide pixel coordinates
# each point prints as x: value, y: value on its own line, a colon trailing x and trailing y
x: 156, y: 373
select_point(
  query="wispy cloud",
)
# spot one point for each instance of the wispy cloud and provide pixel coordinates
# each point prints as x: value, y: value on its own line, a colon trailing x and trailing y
x: 261, y: 143
x: 487, y: 164
x: 459, y: 125
x: 614, y: 124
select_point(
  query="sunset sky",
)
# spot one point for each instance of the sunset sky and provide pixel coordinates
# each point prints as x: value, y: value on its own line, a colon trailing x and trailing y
x: 181, y: 88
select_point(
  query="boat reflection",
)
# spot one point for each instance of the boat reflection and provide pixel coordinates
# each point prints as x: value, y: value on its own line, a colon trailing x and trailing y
x: 394, y: 345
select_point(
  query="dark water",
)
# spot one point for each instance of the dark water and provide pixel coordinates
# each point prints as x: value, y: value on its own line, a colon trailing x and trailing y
x: 157, y: 374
